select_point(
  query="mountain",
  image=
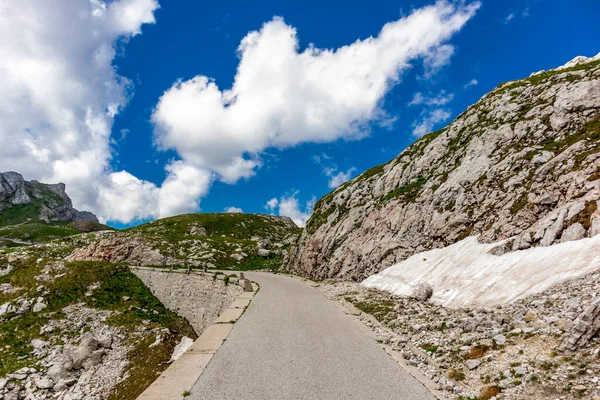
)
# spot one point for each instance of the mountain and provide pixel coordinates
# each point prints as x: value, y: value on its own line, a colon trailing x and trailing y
x: 520, y: 169
x: 223, y: 240
x: 32, y: 201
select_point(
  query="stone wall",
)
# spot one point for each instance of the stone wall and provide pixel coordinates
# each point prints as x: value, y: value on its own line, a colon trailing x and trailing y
x: 197, y: 298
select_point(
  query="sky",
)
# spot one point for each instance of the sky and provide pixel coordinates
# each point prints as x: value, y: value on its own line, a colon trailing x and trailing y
x: 149, y: 108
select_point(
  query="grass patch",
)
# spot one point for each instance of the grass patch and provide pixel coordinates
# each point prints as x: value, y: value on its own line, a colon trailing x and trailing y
x: 476, y: 352
x: 378, y: 308
x: 408, y: 192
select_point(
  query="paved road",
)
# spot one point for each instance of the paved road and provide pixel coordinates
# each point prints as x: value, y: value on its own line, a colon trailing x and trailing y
x: 293, y: 343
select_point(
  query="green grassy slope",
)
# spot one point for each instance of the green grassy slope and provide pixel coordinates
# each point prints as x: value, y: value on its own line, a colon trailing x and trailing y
x: 42, y: 232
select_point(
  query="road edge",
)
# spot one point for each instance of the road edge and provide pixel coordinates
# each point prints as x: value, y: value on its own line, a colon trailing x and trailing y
x: 354, y: 314
x: 180, y: 377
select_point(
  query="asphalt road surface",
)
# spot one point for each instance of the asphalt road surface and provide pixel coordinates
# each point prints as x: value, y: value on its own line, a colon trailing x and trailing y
x: 293, y: 343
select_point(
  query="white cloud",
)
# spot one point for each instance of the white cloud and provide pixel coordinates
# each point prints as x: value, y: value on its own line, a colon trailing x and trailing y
x: 338, y: 177
x: 283, y: 97
x: 234, y: 210
x: 127, y: 198
x: 272, y: 205
x: 431, y: 119
x: 289, y: 206
x: 438, y: 100
x: 472, y: 82
x: 516, y: 13
x: 434, y: 61
x: 60, y: 93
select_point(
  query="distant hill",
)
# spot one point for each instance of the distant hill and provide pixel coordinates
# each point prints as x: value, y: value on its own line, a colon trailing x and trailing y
x: 32, y: 201
x: 220, y: 240
x: 33, y: 212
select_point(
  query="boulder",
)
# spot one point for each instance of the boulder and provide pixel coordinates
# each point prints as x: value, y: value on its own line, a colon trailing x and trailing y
x: 573, y: 232
x: 83, y: 352
x: 197, y: 231
x: 472, y: 364
x: 422, y: 292
x: 584, y: 328
x: 263, y: 244
x: 264, y: 253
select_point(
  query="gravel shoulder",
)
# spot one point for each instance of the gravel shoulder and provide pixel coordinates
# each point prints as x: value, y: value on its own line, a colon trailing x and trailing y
x: 293, y: 343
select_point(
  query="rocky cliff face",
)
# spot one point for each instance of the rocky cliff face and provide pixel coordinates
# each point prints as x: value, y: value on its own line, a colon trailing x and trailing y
x: 22, y: 200
x: 523, y: 164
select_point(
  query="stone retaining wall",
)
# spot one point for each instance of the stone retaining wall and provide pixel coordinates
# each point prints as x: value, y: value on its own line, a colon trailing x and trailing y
x: 197, y: 298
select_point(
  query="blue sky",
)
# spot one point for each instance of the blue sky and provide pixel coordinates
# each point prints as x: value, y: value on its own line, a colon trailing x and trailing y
x: 503, y: 40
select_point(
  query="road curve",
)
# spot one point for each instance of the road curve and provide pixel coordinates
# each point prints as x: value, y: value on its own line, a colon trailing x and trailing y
x: 293, y: 343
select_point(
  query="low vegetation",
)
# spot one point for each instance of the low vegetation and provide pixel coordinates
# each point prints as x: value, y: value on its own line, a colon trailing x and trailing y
x: 94, y: 285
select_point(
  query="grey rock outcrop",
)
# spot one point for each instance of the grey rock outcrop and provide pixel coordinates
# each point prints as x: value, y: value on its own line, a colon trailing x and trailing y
x: 119, y: 247
x: 584, y: 328
x: 423, y: 292
x: 522, y: 164
x: 50, y: 201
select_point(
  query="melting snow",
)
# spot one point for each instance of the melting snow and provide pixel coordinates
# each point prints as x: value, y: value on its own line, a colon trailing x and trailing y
x: 466, y: 275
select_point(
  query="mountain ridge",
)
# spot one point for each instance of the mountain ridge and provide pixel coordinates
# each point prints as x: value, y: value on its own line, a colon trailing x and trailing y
x: 521, y: 164
x: 22, y: 201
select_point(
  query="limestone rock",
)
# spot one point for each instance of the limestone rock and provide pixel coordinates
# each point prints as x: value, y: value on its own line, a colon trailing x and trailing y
x: 574, y: 232
x: 423, y: 292
x: 264, y: 252
x: 198, y: 231
x: 585, y: 327
x: 472, y: 364
x: 54, y: 203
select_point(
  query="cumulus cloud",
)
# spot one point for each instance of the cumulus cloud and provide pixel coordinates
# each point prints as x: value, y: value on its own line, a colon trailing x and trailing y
x: 509, y: 18
x: 282, y: 96
x: 438, y: 100
x: 60, y: 94
x: 233, y: 210
x: 336, y: 178
x: 123, y: 197
x: 431, y: 119
x: 289, y: 206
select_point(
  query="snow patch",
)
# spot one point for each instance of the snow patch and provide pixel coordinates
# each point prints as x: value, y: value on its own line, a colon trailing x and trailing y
x: 466, y: 275
x: 181, y: 348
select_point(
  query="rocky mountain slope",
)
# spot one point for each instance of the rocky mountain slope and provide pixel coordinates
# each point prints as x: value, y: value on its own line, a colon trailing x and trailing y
x: 74, y: 330
x: 22, y: 201
x: 521, y: 167
x: 222, y: 240
x: 95, y: 330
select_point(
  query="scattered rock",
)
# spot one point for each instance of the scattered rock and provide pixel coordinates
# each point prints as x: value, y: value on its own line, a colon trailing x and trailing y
x: 264, y: 253
x: 423, y: 292
x: 585, y: 327
x: 472, y: 364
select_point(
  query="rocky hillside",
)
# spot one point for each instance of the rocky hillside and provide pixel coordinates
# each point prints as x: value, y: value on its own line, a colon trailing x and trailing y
x: 222, y: 240
x: 522, y: 164
x: 32, y: 201
x: 74, y: 330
